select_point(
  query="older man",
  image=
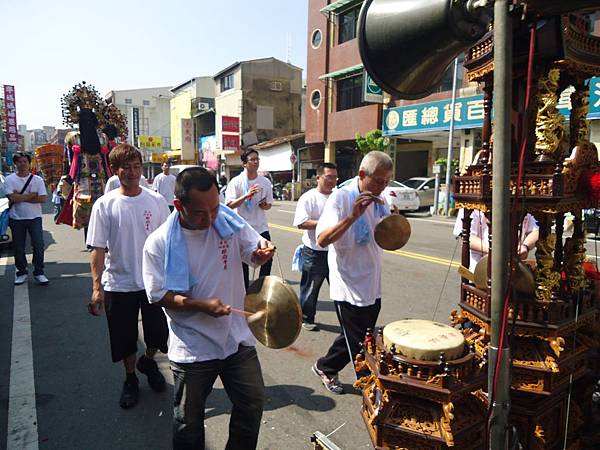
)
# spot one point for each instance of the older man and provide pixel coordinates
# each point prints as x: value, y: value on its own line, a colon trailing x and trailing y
x: 346, y: 226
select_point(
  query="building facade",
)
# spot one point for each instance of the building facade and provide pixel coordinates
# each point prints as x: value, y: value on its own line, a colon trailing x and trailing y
x: 192, y: 116
x: 336, y: 108
x: 256, y: 101
x: 148, y: 116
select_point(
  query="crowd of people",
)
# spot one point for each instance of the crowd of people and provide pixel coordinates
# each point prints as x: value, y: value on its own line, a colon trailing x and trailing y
x: 150, y: 250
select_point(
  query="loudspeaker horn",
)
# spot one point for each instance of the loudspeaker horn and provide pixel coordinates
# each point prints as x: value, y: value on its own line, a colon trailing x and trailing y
x: 407, y: 45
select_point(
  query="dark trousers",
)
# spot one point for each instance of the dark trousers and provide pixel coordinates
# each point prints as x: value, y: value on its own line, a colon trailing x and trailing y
x: 242, y: 379
x: 19, y: 229
x: 265, y: 269
x: 354, y: 320
x: 314, y: 271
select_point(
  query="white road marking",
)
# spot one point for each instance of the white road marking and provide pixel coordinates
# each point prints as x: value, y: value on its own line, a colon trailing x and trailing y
x: 443, y: 222
x: 286, y: 211
x: 22, y: 430
x: 3, y: 264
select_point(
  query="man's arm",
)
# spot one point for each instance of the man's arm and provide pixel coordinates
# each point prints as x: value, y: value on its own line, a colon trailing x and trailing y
x: 97, y: 267
x: 179, y: 302
x: 238, y: 201
x: 15, y: 197
x: 309, y: 224
x: 38, y: 198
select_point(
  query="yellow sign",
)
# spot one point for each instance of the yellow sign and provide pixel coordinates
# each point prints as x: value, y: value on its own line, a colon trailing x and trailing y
x: 150, y: 141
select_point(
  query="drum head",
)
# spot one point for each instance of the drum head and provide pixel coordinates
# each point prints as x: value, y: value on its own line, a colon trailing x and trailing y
x: 424, y: 340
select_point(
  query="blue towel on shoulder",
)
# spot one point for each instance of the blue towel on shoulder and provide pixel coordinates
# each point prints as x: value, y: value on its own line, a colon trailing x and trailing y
x: 177, y: 271
x: 360, y: 228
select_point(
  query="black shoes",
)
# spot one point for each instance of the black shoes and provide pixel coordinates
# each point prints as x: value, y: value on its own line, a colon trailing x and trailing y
x: 148, y: 367
x: 130, y: 393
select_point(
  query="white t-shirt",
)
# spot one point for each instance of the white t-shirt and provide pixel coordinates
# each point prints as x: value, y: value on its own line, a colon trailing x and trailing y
x: 122, y: 224
x: 216, y: 265
x: 310, y: 206
x: 165, y: 186
x: 253, y: 214
x: 113, y: 183
x: 479, y: 228
x: 354, y: 270
x: 25, y: 210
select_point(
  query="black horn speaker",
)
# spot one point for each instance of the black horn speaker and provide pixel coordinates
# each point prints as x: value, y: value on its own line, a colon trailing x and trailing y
x: 406, y: 45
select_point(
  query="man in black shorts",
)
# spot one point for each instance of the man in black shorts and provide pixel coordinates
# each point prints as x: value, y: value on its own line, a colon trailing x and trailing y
x: 121, y: 220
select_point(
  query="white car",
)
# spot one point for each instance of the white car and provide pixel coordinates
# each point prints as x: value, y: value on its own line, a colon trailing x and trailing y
x: 398, y: 195
x: 425, y: 188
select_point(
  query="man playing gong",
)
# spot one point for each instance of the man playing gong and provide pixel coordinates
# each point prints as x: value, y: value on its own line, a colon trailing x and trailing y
x: 346, y: 226
x: 192, y: 267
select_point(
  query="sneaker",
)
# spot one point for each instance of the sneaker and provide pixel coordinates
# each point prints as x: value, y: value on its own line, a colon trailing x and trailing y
x: 148, y: 367
x: 130, y: 393
x: 332, y: 384
x: 310, y: 326
x: 20, y: 279
x: 41, y: 279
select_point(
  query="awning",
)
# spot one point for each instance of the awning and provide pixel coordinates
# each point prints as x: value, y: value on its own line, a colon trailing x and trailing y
x: 338, y: 5
x: 201, y: 113
x: 342, y: 72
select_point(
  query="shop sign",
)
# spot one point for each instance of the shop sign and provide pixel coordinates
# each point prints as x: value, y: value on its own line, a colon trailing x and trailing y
x: 188, y: 149
x: 371, y: 91
x: 150, y: 141
x: 10, y: 109
x: 230, y: 124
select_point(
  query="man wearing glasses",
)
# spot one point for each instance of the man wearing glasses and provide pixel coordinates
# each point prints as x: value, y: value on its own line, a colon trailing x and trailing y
x: 251, y: 194
x: 314, y: 257
x: 346, y: 226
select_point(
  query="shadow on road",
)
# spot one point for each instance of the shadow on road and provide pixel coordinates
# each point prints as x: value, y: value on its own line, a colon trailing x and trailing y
x: 276, y: 397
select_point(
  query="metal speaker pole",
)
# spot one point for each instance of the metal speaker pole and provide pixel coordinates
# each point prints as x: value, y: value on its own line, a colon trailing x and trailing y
x: 407, y: 45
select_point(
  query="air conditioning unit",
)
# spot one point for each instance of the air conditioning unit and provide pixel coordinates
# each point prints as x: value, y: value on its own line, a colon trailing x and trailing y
x: 203, y: 106
x: 276, y: 86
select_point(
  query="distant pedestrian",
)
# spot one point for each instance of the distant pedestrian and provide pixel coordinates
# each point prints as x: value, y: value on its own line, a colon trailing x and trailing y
x: 26, y: 192
x: 222, y: 187
x: 314, y: 257
x: 121, y: 220
x: 164, y: 184
x: 113, y: 183
x: 251, y: 194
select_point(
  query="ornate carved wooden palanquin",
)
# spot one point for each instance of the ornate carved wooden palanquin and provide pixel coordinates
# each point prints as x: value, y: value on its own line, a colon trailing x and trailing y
x: 553, y: 331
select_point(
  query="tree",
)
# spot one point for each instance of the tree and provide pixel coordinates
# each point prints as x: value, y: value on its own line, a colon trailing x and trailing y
x: 373, y: 140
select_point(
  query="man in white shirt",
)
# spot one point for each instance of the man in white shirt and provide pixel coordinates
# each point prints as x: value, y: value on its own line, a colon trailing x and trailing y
x: 120, y: 221
x: 347, y: 226
x: 113, y: 183
x: 164, y: 184
x: 25, y: 216
x: 314, y: 257
x: 192, y: 267
x: 479, y: 236
x: 251, y: 194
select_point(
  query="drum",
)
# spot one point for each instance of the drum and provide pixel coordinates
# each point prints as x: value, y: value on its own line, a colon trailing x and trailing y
x: 423, y: 340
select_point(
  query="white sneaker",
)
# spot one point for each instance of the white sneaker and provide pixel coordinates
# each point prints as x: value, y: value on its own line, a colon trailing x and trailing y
x: 41, y: 279
x: 20, y: 279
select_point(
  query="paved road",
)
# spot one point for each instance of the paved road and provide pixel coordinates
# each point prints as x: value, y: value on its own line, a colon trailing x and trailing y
x: 65, y: 396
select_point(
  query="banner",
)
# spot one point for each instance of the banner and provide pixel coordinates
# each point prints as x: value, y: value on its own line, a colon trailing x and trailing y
x: 188, y: 151
x: 10, y: 108
x: 150, y: 141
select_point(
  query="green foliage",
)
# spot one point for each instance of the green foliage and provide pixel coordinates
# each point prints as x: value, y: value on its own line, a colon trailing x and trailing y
x: 373, y: 140
x: 443, y: 162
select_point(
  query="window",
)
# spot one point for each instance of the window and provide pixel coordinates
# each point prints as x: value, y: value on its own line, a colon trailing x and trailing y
x: 264, y: 117
x: 446, y: 83
x: 227, y: 82
x: 315, y: 99
x: 315, y: 40
x: 347, y: 24
x: 128, y: 101
x: 349, y: 92
x: 145, y: 102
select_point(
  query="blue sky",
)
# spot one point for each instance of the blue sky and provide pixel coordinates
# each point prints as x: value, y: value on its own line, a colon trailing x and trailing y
x: 50, y: 46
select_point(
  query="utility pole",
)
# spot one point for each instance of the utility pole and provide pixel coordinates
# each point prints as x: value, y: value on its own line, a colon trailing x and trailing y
x: 500, y: 253
x: 450, y: 139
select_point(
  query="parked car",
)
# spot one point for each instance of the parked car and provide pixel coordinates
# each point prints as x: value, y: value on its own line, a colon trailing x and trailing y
x: 425, y: 188
x: 398, y: 195
x: 5, y: 239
